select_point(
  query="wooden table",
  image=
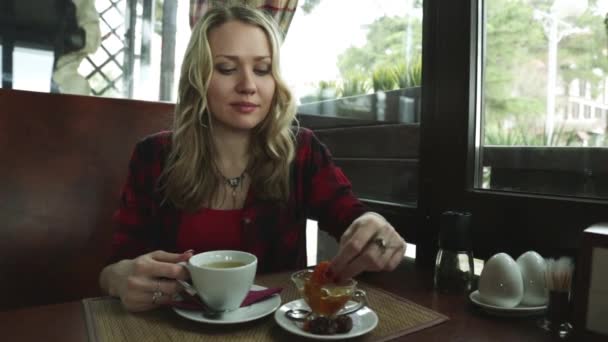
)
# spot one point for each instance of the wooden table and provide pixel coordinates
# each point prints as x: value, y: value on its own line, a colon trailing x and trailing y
x: 65, y: 322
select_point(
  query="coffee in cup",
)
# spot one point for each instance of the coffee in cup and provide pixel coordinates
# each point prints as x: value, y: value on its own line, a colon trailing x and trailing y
x: 222, y: 278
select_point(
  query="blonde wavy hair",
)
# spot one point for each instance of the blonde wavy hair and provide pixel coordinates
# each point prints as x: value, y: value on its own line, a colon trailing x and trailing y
x: 191, y: 178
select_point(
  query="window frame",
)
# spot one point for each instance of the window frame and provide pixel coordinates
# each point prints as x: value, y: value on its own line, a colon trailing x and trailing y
x: 503, y: 221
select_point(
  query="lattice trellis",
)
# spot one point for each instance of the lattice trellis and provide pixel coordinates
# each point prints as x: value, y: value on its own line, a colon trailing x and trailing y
x: 110, y: 69
x: 105, y: 69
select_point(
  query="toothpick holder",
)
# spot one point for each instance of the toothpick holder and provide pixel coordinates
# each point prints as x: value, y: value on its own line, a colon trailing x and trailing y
x: 556, y: 319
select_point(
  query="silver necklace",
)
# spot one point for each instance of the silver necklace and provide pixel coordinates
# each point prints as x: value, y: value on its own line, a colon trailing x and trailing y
x: 234, y: 184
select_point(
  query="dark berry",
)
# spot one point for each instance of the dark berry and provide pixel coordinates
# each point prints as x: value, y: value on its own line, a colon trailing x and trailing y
x: 343, y: 324
x: 321, y: 326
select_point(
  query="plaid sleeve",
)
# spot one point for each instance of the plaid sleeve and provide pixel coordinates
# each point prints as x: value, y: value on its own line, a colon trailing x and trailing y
x: 331, y: 200
x: 135, y: 218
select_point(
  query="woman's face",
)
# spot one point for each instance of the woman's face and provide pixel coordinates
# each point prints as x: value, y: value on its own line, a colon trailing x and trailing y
x: 242, y: 86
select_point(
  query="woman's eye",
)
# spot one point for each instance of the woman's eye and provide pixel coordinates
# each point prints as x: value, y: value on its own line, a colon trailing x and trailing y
x: 225, y: 70
x: 262, y: 71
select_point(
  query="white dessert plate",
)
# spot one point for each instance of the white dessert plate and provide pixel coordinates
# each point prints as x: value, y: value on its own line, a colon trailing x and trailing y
x: 240, y: 315
x: 518, y: 311
x: 364, y: 321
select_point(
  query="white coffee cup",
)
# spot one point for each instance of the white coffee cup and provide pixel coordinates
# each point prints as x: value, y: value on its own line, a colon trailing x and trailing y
x: 222, y: 278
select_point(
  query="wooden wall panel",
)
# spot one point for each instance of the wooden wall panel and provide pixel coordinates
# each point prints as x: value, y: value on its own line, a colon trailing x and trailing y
x: 389, y: 180
x: 322, y: 121
x: 382, y: 141
x: 380, y: 160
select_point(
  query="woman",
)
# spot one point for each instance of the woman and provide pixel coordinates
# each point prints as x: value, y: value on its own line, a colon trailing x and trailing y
x: 234, y: 174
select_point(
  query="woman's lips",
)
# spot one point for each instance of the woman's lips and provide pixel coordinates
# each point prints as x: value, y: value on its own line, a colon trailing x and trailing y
x: 244, y: 107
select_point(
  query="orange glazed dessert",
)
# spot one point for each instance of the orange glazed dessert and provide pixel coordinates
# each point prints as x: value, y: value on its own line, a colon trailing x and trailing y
x: 324, y: 297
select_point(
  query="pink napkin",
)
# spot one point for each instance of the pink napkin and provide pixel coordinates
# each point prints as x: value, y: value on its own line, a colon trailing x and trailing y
x: 194, y: 302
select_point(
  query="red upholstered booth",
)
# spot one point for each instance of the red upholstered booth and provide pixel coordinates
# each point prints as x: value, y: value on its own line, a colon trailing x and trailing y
x: 63, y: 160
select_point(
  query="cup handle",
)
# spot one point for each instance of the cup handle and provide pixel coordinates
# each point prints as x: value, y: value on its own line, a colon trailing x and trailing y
x: 360, y: 297
x: 187, y: 287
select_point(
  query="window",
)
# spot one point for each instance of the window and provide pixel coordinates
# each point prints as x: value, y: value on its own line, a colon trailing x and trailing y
x: 560, y: 44
x: 358, y: 83
x: 376, y: 48
x: 359, y: 76
x: 508, y: 217
x: 575, y: 110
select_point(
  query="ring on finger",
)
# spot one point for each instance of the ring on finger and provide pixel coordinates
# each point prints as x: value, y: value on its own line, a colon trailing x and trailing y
x: 157, y: 293
x: 381, y: 243
x: 156, y: 296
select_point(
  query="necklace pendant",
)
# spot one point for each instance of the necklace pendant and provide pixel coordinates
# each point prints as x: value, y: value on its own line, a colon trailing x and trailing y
x: 234, y: 182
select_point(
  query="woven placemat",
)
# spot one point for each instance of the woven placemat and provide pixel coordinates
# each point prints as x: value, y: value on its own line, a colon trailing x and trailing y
x: 107, y: 320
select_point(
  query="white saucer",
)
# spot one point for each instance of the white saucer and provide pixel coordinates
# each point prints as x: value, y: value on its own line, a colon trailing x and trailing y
x: 518, y: 311
x: 364, y: 321
x: 240, y: 315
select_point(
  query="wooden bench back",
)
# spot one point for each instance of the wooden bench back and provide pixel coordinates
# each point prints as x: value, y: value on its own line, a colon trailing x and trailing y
x: 63, y: 161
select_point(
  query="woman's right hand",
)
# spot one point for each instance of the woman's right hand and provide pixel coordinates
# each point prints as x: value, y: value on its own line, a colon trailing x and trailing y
x: 135, y: 281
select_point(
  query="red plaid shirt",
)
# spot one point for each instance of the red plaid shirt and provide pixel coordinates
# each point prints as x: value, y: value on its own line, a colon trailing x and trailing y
x: 275, y: 233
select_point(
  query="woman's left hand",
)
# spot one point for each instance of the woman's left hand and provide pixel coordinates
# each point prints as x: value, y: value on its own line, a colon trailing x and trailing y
x: 369, y: 244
